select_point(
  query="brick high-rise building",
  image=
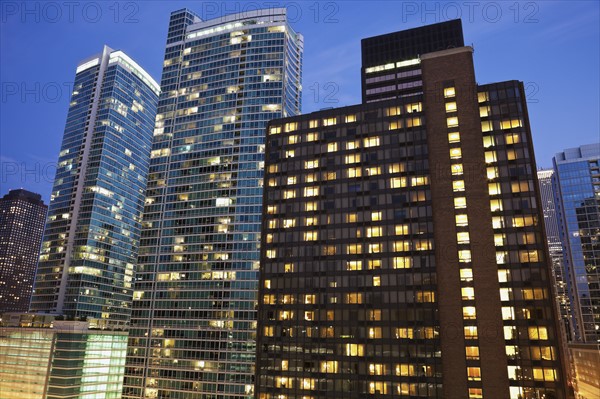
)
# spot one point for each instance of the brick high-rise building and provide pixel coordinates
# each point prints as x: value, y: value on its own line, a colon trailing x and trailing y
x: 402, y: 250
x: 22, y: 218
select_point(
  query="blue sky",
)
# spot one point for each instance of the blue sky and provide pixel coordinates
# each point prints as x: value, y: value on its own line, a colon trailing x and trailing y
x: 552, y: 46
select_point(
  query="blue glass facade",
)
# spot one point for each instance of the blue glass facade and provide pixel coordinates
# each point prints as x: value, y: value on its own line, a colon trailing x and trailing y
x: 577, y: 188
x: 194, y: 312
x: 90, y: 246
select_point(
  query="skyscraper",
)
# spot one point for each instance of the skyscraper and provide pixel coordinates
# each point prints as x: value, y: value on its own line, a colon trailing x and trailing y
x: 555, y: 250
x: 73, y: 343
x: 90, y: 245
x: 577, y: 190
x: 194, y: 313
x: 22, y: 218
x: 402, y: 249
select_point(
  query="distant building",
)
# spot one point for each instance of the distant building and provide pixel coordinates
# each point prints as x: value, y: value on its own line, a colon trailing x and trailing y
x: 22, y: 218
x: 402, y: 249
x: 555, y: 249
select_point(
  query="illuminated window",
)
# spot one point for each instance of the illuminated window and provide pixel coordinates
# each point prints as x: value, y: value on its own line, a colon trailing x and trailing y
x: 354, y: 265
x: 395, y: 125
x: 482, y: 97
x: 287, y: 223
x: 413, y: 122
x: 462, y: 237
x: 393, y: 111
x: 330, y: 175
x: 313, y: 124
x: 464, y: 255
x: 354, y: 350
x: 499, y: 240
x: 272, y: 182
x: 401, y: 229
x: 486, y: 126
x: 451, y: 107
x: 490, y: 157
x: 497, y: 222
x: 311, y: 206
x: 460, y: 202
x: 273, y: 168
x: 474, y: 373
x: 374, y: 231
x: 419, y: 181
x: 508, y: 313
x: 375, y: 248
x: 468, y: 293
x: 288, y: 268
x: 462, y: 220
x: 311, y: 191
x: 310, y: 221
x: 455, y: 153
x: 484, y: 111
x: 329, y: 366
x: 269, y: 239
x: 377, y: 369
x: 503, y: 276
x: 457, y: 169
x: 402, y: 246
x: 354, y: 249
x: 449, y: 92
x: 494, y: 188
x: 544, y: 374
x: 458, y: 185
x: 488, y: 141
x: 425, y: 296
x: 404, y: 333
x: 354, y: 172
x: 523, y: 221
x: 273, y: 224
x: 501, y: 257
x: 354, y: 298
x: 375, y: 332
x: 275, y: 130
x: 472, y: 352
x: 371, y: 142
x: 496, y: 205
x: 402, y: 262
x: 271, y: 253
x: 351, y: 218
x: 269, y: 331
x: 350, y: 118
x: 352, y: 158
x: 540, y: 333
x: 505, y: 294
x: 512, y: 138
x: 519, y: 186
x: 376, y: 281
x: 288, y: 194
x: 293, y: 139
x: 533, y: 293
x: 310, y: 235
x: 452, y: 121
x: 374, y: 264
x: 470, y: 332
x: 312, y: 136
x: 332, y: 147
x: 396, y: 168
x: 313, y: 163
x: 329, y: 121
x: 375, y: 216
x: 373, y: 170
x: 469, y: 312
x: 466, y: 275
x: 290, y: 127
x: 414, y: 107
x: 329, y: 250
x: 454, y: 137
x: 508, y: 124
x: 511, y: 155
x: 272, y: 209
x: 397, y: 182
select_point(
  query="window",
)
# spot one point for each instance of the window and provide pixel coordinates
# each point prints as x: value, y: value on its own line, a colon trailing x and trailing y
x: 311, y: 206
x: 455, y: 153
x: 287, y: 223
x: 540, y: 333
x: 288, y: 194
x: 354, y: 350
x: 494, y: 189
x: 311, y: 191
x: 468, y: 293
x: 373, y: 171
x: 457, y: 169
x: 375, y: 248
x: 377, y: 369
x: 484, y: 111
x: 272, y: 209
x: 464, y: 256
x: 401, y: 229
x: 312, y: 136
x: 449, y: 92
x: 313, y: 124
x: 486, y: 126
x: 397, y: 182
x: 313, y: 163
x: 458, y: 185
x: 466, y: 275
x: 402, y: 262
x: 474, y: 373
x: 472, y: 352
x: 354, y: 172
x: 375, y: 216
x: 374, y: 231
x: 393, y: 111
x: 462, y: 237
x: 375, y: 332
x: 492, y: 172
x: 469, y: 312
x: 541, y: 374
x: 293, y: 139
x: 470, y: 332
x: 354, y: 298
x: 519, y: 186
x: 419, y: 181
x: 329, y: 366
x: 460, y: 202
x: 352, y: 158
x: 275, y: 130
x: 332, y: 147
x: 351, y: 218
x: 310, y: 235
x: 396, y: 168
x: 496, y: 205
x: 371, y: 142
x: 462, y: 220
x: 290, y: 127
x: 310, y: 221
x: 452, y: 121
x: 350, y: 118
x: 329, y: 121
x: 454, y: 137
x: 512, y: 138
x: 451, y: 107
x: 354, y: 265
x: 354, y: 249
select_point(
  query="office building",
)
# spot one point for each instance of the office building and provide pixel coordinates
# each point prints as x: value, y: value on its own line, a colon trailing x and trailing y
x: 91, y: 240
x: 577, y: 189
x: 73, y: 343
x: 403, y: 251
x: 194, y: 311
x: 555, y: 250
x: 22, y: 218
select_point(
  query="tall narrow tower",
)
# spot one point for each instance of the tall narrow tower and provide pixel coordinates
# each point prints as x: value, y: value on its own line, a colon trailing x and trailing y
x: 22, y: 218
x: 91, y: 240
x: 194, y: 314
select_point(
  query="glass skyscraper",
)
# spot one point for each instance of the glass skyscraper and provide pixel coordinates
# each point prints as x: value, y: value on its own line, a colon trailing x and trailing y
x: 193, y: 326
x: 577, y: 189
x: 90, y: 246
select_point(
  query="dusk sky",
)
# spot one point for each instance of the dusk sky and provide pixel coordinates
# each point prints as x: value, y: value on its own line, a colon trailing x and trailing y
x: 552, y: 46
